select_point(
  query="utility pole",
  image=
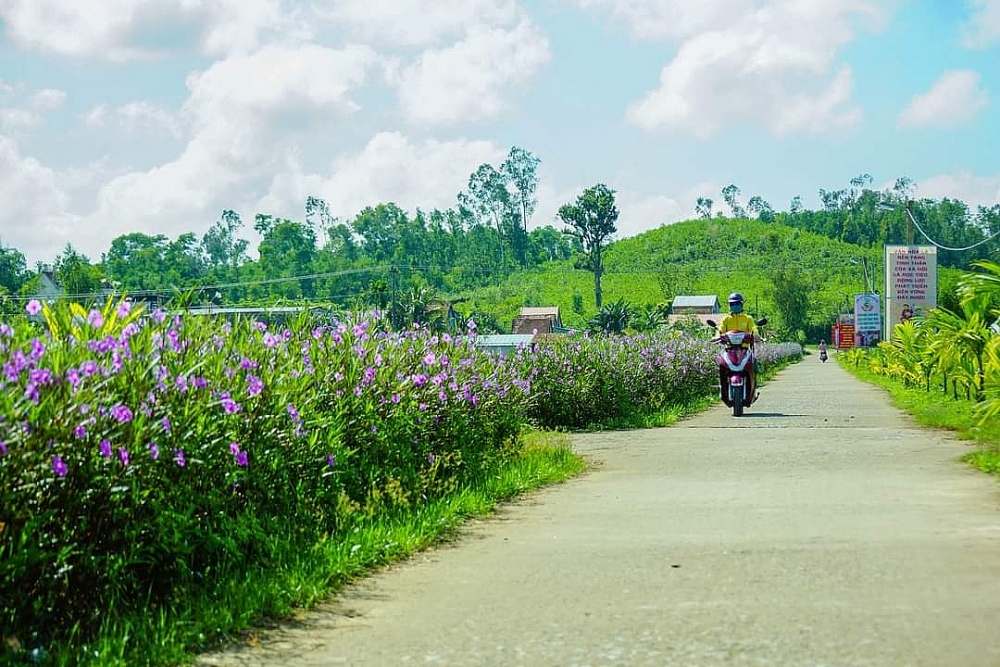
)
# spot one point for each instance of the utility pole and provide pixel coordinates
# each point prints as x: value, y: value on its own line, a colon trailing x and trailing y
x: 909, y: 222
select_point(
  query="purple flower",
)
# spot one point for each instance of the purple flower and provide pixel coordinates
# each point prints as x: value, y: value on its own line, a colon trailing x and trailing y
x: 3, y: 448
x: 234, y: 448
x: 121, y: 413
x: 254, y: 385
x: 89, y: 368
x: 292, y: 412
x: 154, y: 451
x: 80, y: 432
x: 159, y: 315
x: 431, y: 458
x: 106, y: 449
x: 124, y: 308
x: 229, y: 405
x: 34, y: 307
x: 165, y: 423
x: 181, y: 382
x: 429, y: 359
x: 95, y: 319
x: 6, y: 330
x: 331, y: 460
x: 123, y: 455
x: 270, y: 340
x: 179, y: 458
x: 59, y: 466
x: 395, y: 399
x: 419, y: 380
x: 241, y: 459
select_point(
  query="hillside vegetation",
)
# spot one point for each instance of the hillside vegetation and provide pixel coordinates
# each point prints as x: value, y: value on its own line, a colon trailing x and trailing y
x: 715, y: 256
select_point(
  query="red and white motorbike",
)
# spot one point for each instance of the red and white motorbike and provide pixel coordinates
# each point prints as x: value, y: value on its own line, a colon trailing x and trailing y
x: 737, y: 368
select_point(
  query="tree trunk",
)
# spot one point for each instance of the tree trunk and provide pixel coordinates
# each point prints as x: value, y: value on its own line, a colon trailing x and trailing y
x: 598, y: 297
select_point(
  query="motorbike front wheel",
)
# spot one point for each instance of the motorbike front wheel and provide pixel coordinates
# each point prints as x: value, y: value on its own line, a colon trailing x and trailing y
x: 736, y: 396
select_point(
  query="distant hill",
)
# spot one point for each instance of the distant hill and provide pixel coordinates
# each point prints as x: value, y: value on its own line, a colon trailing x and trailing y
x: 715, y: 256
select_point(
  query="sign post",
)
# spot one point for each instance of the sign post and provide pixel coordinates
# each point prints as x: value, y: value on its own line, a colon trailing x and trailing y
x: 867, y: 320
x: 910, y: 283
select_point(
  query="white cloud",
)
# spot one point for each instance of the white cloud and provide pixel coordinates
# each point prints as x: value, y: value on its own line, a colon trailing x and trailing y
x: 34, y: 218
x: 28, y: 108
x: 465, y: 81
x: 390, y: 168
x: 770, y: 66
x: 964, y: 185
x: 231, y: 108
x: 419, y: 22
x: 983, y: 29
x: 955, y: 99
x: 671, y: 19
x: 48, y: 99
x: 137, y: 117
x: 112, y: 29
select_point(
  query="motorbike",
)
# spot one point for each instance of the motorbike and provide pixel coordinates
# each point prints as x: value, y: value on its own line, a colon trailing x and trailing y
x: 822, y: 356
x: 735, y: 364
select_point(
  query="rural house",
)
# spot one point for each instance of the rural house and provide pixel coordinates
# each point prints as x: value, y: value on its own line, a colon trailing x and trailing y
x: 544, y: 319
x: 703, y: 308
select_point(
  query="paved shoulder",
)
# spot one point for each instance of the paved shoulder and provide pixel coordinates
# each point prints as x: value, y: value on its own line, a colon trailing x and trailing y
x: 822, y: 528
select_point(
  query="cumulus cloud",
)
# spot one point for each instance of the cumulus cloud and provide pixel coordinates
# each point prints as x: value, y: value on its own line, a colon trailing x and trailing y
x: 230, y: 109
x: 113, y: 29
x: 964, y: 185
x: 773, y: 64
x: 670, y: 19
x: 137, y: 117
x: 34, y: 217
x: 27, y: 107
x: 467, y: 81
x: 955, y: 99
x: 390, y: 168
x: 418, y: 22
x: 983, y: 28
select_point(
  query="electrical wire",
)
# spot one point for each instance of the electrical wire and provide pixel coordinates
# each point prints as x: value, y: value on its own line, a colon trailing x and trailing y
x: 944, y: 247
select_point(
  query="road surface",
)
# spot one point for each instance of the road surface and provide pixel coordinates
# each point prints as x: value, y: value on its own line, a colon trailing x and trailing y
x: 823, y: 528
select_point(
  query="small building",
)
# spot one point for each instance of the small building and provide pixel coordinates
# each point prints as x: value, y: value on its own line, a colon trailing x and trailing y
x: 532, y: 320
x: 503, y: 344
x: 695, y: 305
x: 702, y: 308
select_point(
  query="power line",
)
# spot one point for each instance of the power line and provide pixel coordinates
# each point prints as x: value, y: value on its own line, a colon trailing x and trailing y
x: 944, y: 247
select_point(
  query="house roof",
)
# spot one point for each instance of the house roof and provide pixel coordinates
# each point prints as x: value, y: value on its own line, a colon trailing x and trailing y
x: 541, y: 311
x: 695, y: 301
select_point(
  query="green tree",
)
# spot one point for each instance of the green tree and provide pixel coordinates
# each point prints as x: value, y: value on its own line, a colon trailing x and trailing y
x: 790, y: 293
x: 592, y: 219
x: 13, y: 269
x: 488, y: 197
x: 521, y: 172
x: 75, y: 273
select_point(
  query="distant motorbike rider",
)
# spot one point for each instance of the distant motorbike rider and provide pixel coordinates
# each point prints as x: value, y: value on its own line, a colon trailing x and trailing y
x: 737, y: 320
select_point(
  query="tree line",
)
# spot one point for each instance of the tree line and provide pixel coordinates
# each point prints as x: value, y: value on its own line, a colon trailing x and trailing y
x: 384, y: 251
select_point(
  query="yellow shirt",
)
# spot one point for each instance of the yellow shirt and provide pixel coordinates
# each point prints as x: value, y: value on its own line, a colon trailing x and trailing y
x: 738, y: 322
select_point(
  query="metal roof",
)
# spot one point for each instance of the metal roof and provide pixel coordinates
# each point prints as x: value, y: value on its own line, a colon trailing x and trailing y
x: 540, y: 311
x: 504, y: 340
x: 695, y: 301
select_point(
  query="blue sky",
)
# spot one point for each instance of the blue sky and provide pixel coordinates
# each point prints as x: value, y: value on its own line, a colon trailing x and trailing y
x: 155, y: 115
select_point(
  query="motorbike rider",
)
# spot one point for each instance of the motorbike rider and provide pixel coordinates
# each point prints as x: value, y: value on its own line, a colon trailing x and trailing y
x: 822, y: 350
x: 737, y: 320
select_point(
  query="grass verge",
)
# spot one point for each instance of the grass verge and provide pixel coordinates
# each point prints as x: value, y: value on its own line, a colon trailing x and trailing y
x: 228, y: 609
x: 937, y: 410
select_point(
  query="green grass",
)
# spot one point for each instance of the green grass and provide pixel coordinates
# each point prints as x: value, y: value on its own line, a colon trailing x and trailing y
x: 937, y: 410
x: 230, y: 610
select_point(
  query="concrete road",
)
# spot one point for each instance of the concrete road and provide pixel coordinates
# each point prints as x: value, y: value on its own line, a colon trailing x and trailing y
x: 823, y: 528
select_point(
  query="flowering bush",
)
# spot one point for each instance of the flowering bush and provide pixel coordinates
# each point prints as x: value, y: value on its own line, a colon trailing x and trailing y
x: 583, y: 380
x: 137, y: 457
x: 141, y: 456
